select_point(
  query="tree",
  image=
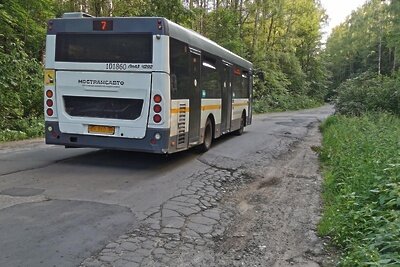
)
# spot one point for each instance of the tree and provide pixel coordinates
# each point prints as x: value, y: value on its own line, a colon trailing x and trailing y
x: 366, y: 42
x: 24, y: 21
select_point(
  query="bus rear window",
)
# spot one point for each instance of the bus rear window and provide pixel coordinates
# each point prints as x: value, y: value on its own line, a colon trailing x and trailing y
x: 96, y: 48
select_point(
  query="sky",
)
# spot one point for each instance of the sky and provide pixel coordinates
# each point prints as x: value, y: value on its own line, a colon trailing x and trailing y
x: 338, y: 10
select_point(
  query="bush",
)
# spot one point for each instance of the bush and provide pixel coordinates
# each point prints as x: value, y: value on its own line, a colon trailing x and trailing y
x: 21, y: 94
x: 23, y: 129
x: 361, y: 158
x: 369, y: 92
x: 283, y: 102
x: 285, y: 85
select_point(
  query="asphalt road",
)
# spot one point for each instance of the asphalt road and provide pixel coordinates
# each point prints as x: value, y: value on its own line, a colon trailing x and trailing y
x: 71, y: 207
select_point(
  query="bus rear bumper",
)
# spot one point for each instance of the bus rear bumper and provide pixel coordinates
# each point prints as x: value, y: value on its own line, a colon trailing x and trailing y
x: 147, y: 144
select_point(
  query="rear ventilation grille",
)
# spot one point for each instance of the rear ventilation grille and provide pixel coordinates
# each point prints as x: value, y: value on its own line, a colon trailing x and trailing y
x: 182, y: 137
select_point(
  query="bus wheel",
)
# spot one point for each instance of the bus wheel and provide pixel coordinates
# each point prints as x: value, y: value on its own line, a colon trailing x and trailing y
x: 242, y: 121
x: 208, y: 136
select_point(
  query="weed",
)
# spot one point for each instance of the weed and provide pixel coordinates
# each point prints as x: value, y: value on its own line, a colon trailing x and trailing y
x: 23, y: 129
x: 361, y: 158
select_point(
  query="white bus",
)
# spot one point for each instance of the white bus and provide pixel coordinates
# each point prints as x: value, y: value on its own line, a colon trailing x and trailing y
x: 140, y: 84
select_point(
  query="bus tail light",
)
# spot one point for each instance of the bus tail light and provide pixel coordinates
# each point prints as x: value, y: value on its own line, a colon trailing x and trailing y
x: 157, y: 98
x: 157, y: 118
x: 49, y: 93
x: 49, y: 103
x: 157, y: 108
x: 49, y: 112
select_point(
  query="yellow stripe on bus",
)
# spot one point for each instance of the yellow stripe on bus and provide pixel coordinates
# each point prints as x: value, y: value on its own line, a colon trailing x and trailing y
x: 210, y: 107
x: 203, y: 108
x: 179, y: 110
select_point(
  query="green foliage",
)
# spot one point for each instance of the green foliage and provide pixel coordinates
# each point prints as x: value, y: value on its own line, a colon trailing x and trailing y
x: 318, y: 79
x: 221, y: 27
x: 290, y: 66
x: 285, y: 42
x: 24, y: 21
x: 21, y: 85
x: 361, y: 156
x: 369, y: 92
x: 23, y: 26
x: 368, y: 41
x: 23, y: 129
x: 282, y: 102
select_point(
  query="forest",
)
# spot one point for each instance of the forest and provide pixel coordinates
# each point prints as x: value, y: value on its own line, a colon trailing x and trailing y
x: 363, y: 54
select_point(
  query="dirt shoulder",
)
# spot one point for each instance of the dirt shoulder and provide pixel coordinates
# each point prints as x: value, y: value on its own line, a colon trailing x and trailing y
x: 271, y: 218
x: 276, y: 215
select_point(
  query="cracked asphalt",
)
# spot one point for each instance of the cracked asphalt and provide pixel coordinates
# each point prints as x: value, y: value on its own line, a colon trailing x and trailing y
x: 252, y: 200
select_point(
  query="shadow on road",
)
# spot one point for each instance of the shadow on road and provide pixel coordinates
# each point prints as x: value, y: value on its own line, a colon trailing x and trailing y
x: 139, y: 160
x: 129, y: 160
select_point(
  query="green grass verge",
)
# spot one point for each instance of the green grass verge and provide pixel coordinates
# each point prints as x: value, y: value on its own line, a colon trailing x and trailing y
x: 22, y: 129
x: 361, y: 159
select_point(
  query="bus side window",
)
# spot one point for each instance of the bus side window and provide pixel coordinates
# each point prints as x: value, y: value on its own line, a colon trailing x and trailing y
x: 210, y: 79
x: 241, y: 84
x: 180, y: 69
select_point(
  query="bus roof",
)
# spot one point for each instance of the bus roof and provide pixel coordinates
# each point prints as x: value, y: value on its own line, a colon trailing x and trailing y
x: 80, y: 23
x: 199, y: 41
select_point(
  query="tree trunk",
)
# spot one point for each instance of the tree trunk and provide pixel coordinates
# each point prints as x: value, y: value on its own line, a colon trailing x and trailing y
x: 380, y: 54
x: 394, y: 60
x: 255, y: 33
x: 270, y: 29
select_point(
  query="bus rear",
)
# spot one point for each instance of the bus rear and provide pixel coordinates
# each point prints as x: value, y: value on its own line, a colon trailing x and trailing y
x: 107, y: 83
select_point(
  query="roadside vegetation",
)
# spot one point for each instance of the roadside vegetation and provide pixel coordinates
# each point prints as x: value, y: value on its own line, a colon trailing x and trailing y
x: 361, y: 156
x: 361, y: 142
x: 282, y: 38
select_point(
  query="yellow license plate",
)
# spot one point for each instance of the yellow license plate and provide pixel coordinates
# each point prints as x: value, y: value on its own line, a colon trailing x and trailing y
x: 99, y: 129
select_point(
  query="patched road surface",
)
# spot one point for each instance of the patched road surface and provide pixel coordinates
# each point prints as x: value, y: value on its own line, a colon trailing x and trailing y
x: 252, y: 200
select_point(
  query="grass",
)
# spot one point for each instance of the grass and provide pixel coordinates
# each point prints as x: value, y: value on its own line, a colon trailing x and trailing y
x: 361, y: 159
x: 22, y: 129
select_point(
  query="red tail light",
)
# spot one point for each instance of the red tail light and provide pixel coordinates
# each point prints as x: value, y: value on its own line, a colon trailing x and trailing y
x: 157, y: 108
x: 49, y: 112
x: 157, y: 98
x: 156, y: 118
x: 49, y: 103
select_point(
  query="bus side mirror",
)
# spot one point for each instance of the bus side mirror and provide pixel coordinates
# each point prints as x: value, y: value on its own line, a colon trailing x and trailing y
x: 260, y: 75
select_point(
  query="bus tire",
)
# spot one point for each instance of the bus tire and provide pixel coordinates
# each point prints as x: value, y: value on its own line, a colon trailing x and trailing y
x: 242, y: 124
x: 208, y: 137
